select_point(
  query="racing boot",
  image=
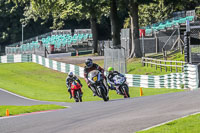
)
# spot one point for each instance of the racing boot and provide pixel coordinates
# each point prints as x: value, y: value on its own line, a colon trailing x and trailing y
x: 70, y: 93
x: 117, y: 90
x: 81, y: 92
x: 111, y: 87
x: 93, y: 90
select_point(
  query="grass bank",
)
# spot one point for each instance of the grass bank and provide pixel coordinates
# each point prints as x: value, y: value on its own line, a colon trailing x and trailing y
x: 188, y: 124
x: 15, y: 110
x: 134, y: 65
x: 37, y: 82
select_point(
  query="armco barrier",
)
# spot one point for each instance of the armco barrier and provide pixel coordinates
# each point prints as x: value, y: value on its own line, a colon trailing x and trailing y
x: 59, y: 66
x: 16, y: 58
x: 187, y: 80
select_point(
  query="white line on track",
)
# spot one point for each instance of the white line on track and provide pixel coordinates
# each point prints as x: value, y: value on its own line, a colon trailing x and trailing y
x: 67, y: 106
x: 20, y: 115
x: 168, y: 121
x: 17, y: 95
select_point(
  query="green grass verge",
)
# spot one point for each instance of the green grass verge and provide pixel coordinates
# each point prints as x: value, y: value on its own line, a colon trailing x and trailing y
x: 15, y: 110
x: 188, y: 124
x: 37, y: 82
x: 134, y: 65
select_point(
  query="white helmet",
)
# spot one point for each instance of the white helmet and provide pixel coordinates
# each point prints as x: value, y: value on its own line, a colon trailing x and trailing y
x: 70, y: 74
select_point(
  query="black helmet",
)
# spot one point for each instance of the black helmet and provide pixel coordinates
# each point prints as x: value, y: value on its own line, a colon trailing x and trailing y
x: 88, y: 62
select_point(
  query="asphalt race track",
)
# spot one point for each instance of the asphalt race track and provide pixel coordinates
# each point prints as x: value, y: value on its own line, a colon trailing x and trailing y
x: 114, y: 116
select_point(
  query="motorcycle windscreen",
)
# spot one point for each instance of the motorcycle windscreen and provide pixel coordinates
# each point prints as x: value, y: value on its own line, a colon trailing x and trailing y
x: 118, y: 79
x: 75, y: 86
x: 93, y: 75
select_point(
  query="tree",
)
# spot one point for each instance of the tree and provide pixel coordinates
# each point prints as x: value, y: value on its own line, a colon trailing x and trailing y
x: 154, y: 12
x: 136, y: 50
x: 10, y: 22
x: 61, y: 10
x: 133, y: 9
x: 93, y: 10
x: 115, y: 27
x: 180, y: 5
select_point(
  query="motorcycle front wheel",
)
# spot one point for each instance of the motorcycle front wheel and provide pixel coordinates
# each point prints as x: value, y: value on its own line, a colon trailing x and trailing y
x: 125, y: 91
x: 103, y: 94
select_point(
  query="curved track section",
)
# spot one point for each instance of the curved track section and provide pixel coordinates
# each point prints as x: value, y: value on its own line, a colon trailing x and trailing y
x: 115, y: 116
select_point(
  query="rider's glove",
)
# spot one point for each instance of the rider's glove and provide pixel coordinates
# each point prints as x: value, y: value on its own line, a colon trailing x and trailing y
x: 88, y: 84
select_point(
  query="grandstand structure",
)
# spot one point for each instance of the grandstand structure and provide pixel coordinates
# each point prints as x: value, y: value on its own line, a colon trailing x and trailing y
x: 177, y: 19
x: 161, y: 36
x: 57, y: 41
x: 167, y: 35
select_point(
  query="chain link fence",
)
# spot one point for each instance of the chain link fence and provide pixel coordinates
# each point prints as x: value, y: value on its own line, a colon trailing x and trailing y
x: 54, y: 32
x: 195, y: 44
x: 17, y: 50
x: 152, y: 44
x: 115, y: 58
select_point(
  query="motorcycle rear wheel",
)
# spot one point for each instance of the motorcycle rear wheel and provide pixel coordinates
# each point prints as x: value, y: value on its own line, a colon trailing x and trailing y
x: 78, y: 97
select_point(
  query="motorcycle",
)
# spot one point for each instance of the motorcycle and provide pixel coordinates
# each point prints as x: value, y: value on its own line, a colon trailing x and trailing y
x: 76, y: 91
x: 121, y: 85
x: 96, y: 80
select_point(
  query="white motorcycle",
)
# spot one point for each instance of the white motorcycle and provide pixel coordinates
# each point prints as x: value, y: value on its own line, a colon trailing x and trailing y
x: 121, y: 85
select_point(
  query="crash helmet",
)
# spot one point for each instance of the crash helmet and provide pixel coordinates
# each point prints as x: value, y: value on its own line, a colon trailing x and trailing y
x: 110, y: 69
x: 89, y: 62
x: 70, y: 74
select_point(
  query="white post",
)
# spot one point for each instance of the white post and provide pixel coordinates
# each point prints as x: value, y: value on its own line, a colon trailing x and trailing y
x: 23, y: 33
x: 143, y: 52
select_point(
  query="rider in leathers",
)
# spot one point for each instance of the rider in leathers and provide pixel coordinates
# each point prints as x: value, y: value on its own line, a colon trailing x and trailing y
x: 90, y: 66
x: 110, y: 77
x: 70, y: 78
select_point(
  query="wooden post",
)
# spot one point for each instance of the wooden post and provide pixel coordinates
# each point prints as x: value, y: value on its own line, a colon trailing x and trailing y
x: 170, y: 66
x: 176, y: 67
x: 156, y: 65
x: 147, y: 63
x: 143, y: 62
x: 165, y: 67
x: 182, y: 66
x: 160, y: 67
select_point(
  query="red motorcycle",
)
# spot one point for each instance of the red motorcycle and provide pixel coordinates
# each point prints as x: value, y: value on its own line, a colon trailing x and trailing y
x: 76, y: 91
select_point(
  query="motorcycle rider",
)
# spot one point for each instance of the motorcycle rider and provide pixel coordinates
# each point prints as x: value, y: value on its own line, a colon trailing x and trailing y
x: 90, y: 66
x: 71, y: 78
x: 110, y: 77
